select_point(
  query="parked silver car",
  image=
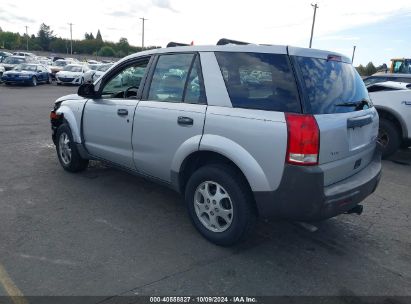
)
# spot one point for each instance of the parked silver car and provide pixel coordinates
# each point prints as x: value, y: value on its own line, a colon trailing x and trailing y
x: 239, y: 130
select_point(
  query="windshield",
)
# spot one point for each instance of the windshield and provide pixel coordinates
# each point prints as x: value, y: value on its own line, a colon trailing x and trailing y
x: 60, y: 63
x: 72, y: 68
x: 26, y: 67
x: 332, y: 86
x: 94, y: 67
x: 13, y: 60
x: 104, y: 68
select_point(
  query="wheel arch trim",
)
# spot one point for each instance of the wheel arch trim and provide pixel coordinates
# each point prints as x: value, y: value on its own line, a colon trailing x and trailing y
x: 397, y: 116
x: 234, y: 152
x: 71, y: 120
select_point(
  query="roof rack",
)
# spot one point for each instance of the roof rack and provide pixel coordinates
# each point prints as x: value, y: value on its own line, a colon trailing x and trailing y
x: 174, y: 44
x: 224, y: 41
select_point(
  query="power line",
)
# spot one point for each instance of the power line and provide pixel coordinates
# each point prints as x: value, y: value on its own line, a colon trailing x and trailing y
x: 71, y: 38
x: 142, y: 36
x: 312, y: 27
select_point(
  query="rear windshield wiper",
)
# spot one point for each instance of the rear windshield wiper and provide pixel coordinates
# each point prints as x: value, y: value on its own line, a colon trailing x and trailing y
x: 347, y: 104
x: 359, y: 105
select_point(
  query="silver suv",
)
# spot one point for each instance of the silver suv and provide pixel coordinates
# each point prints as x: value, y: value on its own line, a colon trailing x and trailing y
x: 239, y: 130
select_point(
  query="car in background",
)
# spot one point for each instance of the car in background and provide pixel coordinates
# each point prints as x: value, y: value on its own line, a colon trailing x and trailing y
x: 4, y: 55
x: 382, y: 77
x: 12, y: 61
x: 2, y: 70
x: 27, y: 73
x: 93, y: 75
x: 58, y: 66
x: 393, y: 103
x: 24, y: 54
x: 44, y: 60
x: 72, y: 74
x: 93, y: 62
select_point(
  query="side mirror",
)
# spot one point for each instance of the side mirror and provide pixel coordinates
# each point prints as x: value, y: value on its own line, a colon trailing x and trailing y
x: 87, y: 90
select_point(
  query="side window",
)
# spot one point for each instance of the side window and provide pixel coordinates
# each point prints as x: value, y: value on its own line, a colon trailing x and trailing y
x: 195, y: 89
x: 128, y: 79
x: 177, y: 78
x: 259, y: 81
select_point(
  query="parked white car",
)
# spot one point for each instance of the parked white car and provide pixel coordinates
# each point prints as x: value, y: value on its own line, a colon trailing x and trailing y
x: 93, y: 75
x: 72, y: 74
x: 393, y: 103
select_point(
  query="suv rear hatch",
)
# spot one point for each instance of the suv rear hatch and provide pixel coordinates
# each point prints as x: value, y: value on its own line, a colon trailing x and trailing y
x: 348, y: 123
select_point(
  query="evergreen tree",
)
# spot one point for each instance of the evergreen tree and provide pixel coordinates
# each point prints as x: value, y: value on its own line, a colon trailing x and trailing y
x: 99, y: 37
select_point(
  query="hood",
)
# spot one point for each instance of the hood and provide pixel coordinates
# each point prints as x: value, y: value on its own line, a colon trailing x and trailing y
x: 19, y: 72
x: 68, y: 97
x: 55, y: 68
x: 69, y: 74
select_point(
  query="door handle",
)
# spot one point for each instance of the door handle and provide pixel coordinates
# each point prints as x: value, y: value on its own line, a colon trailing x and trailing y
x: 122, y: 112
x: 185, y: 121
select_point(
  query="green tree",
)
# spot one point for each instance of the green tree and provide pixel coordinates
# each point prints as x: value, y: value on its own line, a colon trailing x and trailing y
x: 45, y: 36
x: 88, y: 36
x: 123, y: 46
x: 361, y: 70
x: 99, y: 37
x: 106, y: 51
x: 370, y: 69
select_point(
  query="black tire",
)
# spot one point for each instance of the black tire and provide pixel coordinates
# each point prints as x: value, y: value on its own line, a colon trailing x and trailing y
x: 76, y: 163
x: 243, y: 208
x: 33, y: 81
x: 58, y: 83
x: 389, y: 137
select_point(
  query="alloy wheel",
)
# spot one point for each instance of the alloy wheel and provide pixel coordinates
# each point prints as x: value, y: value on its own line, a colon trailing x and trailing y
x: 213, y: 206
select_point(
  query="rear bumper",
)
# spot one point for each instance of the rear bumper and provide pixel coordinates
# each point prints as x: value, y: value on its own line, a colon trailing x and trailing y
x: 302, y: 195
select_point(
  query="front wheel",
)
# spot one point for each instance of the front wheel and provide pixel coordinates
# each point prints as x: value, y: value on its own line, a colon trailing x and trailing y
x: 220, y: 204
x: 33, y: 81
x: 67, y: 152
x: 389, y: 137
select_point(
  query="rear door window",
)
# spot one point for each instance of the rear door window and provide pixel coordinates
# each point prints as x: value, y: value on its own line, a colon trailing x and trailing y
x: 259, y: 81
x: 177, y: 78
x: 332, y: 86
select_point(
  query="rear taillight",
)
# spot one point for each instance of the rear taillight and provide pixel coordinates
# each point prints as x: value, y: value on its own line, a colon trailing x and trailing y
x: 303, y: 140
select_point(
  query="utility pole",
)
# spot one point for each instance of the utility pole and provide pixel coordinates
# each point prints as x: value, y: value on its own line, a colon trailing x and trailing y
x: 71, y: 38
x: 353, y: 53
x: 312, y: 27
x: 27, y: 38
x: 142, y: 37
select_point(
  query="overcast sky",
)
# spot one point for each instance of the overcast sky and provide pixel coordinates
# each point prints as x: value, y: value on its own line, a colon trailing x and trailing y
x: 381, y: 29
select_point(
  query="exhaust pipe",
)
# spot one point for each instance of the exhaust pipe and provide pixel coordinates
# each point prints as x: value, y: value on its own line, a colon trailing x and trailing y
x: 357, y: 209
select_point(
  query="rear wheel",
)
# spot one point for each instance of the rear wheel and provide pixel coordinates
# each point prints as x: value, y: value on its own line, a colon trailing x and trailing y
x: 388, y: 137
x: 67, y: 152
x: 220, y: 204
x: 33, y: 81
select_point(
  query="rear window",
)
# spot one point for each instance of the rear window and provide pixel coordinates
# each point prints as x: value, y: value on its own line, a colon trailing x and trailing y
x: 332, y: 86
x: 259, y: 81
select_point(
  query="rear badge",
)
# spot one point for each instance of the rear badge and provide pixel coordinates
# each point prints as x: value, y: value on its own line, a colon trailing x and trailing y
x: 357, y: 164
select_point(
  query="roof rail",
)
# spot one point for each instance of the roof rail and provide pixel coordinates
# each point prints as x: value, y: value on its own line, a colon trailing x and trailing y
x: 224, y: 41
x: 173, y: 44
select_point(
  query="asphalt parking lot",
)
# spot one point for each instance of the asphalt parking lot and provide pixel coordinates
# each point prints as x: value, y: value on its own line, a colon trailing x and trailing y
x: 104, y: 232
